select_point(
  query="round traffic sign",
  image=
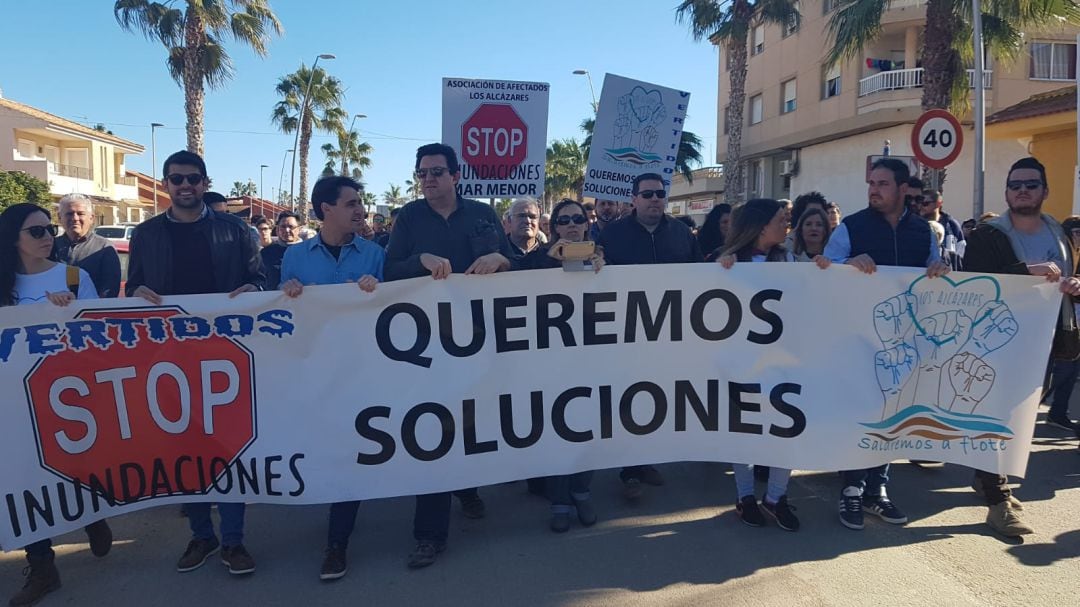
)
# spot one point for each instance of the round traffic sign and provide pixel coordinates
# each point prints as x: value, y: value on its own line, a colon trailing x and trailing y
x: 937, y: 138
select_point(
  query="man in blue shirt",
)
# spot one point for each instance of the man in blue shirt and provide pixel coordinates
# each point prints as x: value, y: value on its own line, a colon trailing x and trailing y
x: 337, y: 255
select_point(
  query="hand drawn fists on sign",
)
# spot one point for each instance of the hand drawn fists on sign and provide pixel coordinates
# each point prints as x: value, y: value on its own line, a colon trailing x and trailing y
x: 970, y: 379
x: 894, y: 319
x: 894, y: 368
x: 996, y: 327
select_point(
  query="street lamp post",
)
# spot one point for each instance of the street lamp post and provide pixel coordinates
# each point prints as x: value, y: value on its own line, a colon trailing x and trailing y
x: 282, y: 176
x: 300, y: 122
x: 261, y: 168
x: 153, y: 160
x: 592, y: 92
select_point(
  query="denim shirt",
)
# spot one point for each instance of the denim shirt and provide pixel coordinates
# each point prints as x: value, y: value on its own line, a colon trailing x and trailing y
x: 311, y: 262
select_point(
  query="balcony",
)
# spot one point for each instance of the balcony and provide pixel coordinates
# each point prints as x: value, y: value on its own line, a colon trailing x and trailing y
x: 897, y: 80
x: 67, y: 170
x: 123, y: 180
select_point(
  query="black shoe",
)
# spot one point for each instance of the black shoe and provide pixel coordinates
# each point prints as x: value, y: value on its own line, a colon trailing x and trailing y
x: 196, y: 554
x: 883, y: 507
x: 41, y: 579
x: 473, y: 507
x: 425, y: 554
x: 334, y: 565
x: 749, y: 512
x: 237, y: 559
x: 1061, y: 421
x: 100, y: 536
x: 782, y: 513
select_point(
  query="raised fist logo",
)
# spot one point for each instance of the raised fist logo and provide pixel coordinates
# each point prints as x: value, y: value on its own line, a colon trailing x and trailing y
x: 942, y: 336
x: 971, y: 379
x: 894, y: 368
x: 894, y: 319
x: 996, y: 327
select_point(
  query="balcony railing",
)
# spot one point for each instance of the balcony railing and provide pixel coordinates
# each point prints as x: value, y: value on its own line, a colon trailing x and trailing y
x: 898, y: 4
x: 905, y: 79
x: 122, y: 180
x: 68, y: 170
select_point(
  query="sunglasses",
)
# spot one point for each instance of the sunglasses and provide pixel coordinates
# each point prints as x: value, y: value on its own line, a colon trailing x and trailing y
x: 434, y: 171
x: 1027, y: 184
x: 565, y: 220
x: 648, y: 194
x: 192, y: 178
x: 38, y: 232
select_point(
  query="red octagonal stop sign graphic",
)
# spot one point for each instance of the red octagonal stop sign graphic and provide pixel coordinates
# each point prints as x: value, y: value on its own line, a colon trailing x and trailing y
x: 159, y: 418
x: 495, y: 141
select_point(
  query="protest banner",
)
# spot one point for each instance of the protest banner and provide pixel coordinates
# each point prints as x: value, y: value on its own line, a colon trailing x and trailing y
x: 638, y: 130
x: 499, y: 130
x: 425, y: 386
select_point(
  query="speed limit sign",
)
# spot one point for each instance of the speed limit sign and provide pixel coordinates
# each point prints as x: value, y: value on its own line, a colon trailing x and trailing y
x: 937, y: 139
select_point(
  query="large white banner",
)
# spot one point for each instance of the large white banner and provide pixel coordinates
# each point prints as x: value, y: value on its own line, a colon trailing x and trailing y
x: 499, y: 130
x: 112, y: 406
x: 638, y: 130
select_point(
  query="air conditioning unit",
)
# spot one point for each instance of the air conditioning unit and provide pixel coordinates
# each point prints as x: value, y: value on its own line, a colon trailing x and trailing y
x: 787, y: 167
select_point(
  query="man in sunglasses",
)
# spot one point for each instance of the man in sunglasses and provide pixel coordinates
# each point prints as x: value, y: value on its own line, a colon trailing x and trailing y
x: 647, y: 236
x: 190, y: 250
x: 524, y: 227
x: 1024, y: 240
x: 952, y: 248
x: 438, y: 235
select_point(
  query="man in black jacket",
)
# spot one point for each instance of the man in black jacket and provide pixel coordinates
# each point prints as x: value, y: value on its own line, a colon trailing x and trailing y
x: 647, y: 236
x: 1024, y: 241
x: 187, y: 250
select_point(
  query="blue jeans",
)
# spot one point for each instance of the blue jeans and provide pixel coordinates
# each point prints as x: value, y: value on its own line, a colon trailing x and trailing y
x: 232, y: 522
x: 744, y: 482
x: 342, y: 523
x: 870, y: 481
x: 564, y: 490
x: 1062, y: 380
x: 431, y: 521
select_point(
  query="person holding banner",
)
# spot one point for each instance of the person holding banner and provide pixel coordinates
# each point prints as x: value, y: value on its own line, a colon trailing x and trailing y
x: 336, y: 255
x: 437, y: 235
x: 191, y: 249
x: 1024, y: 240
x: 29, y: 276
x: 647, y: 236
x: 757, y: 234
x: 887, y: 234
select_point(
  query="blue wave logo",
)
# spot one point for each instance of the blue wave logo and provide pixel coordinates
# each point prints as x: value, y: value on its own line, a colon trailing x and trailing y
x: 632, y: 155
x: 938, y: 424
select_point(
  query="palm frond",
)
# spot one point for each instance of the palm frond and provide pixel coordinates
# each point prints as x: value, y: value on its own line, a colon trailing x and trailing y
x: 852, y: 27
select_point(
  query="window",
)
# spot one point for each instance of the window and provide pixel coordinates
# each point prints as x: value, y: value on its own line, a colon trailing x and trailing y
x: 1053, y: 61
x: 787, y: 102
x: 792, y: 24
x: 727, y: 117
x: 27, y: 149
x: 756, y: 177
x: 758, y: 40
x: 756, y: 109
x: 52, y: 155
x: 829, y: 6
x: 831, y: 82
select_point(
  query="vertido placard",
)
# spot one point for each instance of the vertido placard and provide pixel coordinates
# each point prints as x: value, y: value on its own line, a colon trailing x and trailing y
x: 499, y: 130
x: 638, y: 129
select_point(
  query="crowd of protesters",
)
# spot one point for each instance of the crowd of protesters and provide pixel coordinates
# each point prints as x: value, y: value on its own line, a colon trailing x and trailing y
x: 195, y: 248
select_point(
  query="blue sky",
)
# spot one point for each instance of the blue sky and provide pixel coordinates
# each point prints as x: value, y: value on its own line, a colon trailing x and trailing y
x: 70, y: 57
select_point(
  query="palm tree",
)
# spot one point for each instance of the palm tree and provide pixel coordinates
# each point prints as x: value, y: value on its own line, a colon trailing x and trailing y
x: 323, y: 113
x: 564, y: 172
x: 947, y: 40
x: 392, y: 196
x: 689, y: 149
x: 413, y: 189
x: 349, y: 151
x: 239, y: 188
x: 193, y: 34
x: 727, y: 23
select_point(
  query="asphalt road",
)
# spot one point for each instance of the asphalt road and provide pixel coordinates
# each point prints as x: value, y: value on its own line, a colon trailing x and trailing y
x: 682, y: 544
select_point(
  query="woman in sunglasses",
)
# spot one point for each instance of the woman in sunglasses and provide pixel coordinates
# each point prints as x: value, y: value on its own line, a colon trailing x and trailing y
x: 569, y: 223
x: 28, y: 276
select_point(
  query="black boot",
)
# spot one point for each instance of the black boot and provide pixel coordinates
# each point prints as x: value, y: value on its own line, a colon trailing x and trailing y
x: 42, y: 577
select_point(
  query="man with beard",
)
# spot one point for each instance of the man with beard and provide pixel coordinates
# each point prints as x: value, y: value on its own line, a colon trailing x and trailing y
x: 607, y: 211
x: 1024, y: 240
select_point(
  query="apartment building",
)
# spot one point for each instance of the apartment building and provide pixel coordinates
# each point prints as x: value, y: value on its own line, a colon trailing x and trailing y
x: 811, y: 127
x: 71, y: 158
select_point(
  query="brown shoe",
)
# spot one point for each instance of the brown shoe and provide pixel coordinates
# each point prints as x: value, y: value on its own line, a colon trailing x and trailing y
x: 1005, y: 521
x: 237, y: 559
x: 196, y: 554
x: 425, y: 554
x: 1014, y: 503
x: 41, y: 579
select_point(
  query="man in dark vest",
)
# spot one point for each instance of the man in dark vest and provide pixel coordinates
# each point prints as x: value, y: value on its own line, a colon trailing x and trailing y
x: 886, y: 234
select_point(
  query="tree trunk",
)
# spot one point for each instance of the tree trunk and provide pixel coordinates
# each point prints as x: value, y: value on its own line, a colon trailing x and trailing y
x: 736, y: 47
x: 940, y: 61
x: 194, y: 94
x: 305, y: 147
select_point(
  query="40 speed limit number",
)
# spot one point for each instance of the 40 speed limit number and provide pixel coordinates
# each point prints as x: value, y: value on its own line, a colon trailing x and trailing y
x: 937, y: 138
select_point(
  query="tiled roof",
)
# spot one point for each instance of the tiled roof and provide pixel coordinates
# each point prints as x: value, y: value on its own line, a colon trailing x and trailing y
x: 1052, y: 102
x: 7, y: 104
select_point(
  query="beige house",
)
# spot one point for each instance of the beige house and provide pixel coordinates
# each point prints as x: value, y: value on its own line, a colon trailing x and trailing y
x: 808, y: 127
x: 696, y: 198
x: 72, y: 158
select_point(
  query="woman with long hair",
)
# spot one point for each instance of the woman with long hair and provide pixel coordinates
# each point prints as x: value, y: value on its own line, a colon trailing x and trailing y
x: 811, y: 234
x: 29, y: 276
x: 757, y: 234
x: 714, y: 230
